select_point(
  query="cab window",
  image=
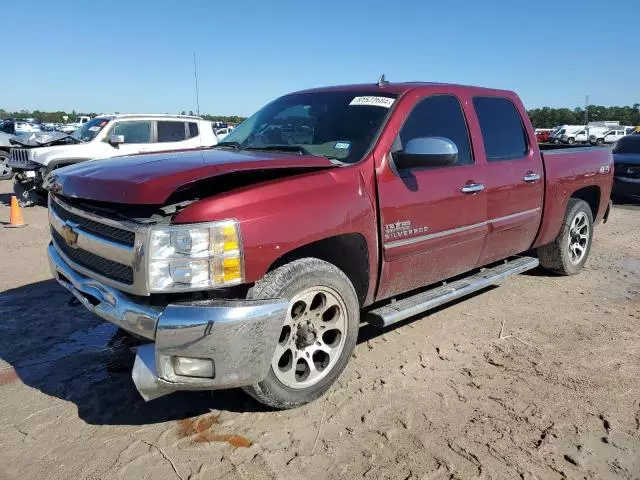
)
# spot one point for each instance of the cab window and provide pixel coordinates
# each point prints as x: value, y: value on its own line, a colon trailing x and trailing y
x: 135, y: 131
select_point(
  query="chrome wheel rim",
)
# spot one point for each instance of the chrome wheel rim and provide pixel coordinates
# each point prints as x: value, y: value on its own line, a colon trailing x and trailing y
x: 312, y: 338
x: 578, y: 237
x: 5, y: 170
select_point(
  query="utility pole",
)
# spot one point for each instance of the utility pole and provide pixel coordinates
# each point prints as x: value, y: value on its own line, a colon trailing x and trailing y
x: 586, y: 111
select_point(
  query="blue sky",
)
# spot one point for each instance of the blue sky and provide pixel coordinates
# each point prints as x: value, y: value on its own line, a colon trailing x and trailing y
x: 132, y: 56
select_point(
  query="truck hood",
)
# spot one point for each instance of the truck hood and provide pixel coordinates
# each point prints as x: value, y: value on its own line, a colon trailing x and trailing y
x: 150, y: 179
x: 627, y: 158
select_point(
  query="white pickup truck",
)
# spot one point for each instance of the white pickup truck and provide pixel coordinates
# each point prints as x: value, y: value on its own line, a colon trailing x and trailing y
x: 35, y: 155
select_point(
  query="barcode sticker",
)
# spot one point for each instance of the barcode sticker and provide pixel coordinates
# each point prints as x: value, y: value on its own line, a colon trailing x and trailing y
x: 384, y: 102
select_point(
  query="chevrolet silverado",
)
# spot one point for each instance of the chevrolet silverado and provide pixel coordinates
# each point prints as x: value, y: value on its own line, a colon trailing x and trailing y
x: 253, y: 263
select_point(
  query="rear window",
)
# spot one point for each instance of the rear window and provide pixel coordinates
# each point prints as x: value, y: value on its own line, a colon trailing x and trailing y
x: 502, y: 130
x: 628, y: 145
x: 193, y: 129
x: 171, y: 132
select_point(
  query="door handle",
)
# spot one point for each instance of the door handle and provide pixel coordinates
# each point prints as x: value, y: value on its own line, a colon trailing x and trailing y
x: 472, y: 188
x: 531, y: 177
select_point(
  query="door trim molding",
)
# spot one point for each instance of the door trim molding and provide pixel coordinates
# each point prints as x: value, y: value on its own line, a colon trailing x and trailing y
x: 453, y: 231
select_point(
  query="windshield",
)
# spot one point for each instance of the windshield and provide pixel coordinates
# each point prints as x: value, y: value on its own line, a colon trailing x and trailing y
x: 629, y: 144
x: 336, y: 125
x: 89, y: 130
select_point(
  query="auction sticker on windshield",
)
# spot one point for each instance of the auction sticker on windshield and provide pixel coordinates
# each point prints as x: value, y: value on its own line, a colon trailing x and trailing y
x: 384, y: 102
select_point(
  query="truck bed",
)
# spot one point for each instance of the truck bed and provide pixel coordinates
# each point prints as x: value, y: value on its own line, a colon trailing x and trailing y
x: 567, y: 170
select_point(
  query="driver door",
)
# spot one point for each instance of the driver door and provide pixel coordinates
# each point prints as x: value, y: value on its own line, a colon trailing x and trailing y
x: 433, y: 219
x: 137, y: 136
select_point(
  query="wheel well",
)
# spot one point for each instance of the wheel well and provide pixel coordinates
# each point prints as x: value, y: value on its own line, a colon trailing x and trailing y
x: 591, y: 195
x: 348, y: 252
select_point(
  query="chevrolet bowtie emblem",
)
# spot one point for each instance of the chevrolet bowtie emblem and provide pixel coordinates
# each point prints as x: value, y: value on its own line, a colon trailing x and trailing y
x: 69, y: 235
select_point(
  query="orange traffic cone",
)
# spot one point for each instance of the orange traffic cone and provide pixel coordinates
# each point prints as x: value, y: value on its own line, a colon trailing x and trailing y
x: 15, y: 218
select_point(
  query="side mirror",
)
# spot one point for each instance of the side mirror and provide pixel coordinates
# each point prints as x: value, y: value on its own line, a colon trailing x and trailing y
x: 424, y: 152
x: 116, y: 140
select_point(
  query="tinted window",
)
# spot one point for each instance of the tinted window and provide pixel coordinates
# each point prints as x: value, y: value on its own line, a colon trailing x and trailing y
x: 133, y: 131
x: 502, y: 131
x: 438, y: 116
x: 171, y: 132
x: 193, y: 129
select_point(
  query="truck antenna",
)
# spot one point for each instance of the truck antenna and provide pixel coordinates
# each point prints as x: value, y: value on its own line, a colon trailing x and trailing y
x: 382, y: 82
x: 195, y: 75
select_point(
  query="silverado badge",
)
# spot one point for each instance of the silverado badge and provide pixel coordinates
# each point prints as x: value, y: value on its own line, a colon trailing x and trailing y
x: 69, y: 235
x: 401, y: 229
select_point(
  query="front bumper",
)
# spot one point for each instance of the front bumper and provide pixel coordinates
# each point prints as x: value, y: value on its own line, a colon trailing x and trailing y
x: 626, y: 187
x: 239, y: 336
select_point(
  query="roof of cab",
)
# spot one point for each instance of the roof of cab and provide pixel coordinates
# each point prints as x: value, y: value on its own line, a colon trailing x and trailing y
x: 400, y: 88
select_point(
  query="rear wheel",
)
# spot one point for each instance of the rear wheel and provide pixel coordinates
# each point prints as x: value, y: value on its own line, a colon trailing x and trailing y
x: 572, y: 141
x: 317, y: 337
x: 569, y: 251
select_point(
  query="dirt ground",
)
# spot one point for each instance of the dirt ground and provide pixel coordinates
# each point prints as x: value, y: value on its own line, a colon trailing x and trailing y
x: 440, y: 397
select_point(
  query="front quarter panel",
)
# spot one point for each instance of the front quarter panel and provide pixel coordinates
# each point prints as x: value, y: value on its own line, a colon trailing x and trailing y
x: 282, y: 215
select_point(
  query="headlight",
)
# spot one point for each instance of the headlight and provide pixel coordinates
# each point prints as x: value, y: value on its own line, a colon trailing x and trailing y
x: 195, y: 257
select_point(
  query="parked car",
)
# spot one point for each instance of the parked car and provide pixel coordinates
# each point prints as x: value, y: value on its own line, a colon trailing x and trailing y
x: 556, y: 137
x: 35, y: 156
x: 612, y: 136
x: 223, y: 132
x: 252, y: 264
x: 626, y: 157
x: 73, y: 126
x: 543, y: 136
x: 580, y: 136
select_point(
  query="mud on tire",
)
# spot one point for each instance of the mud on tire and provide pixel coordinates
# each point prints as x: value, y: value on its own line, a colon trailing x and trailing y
x: 569, y: 251
x: 318, y: 336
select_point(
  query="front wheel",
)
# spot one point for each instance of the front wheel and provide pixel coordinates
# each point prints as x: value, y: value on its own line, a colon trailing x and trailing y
x: 600, y: 141
x: 6, y: 172
x: 569, y: 251
x: 318, y: 335
x: 572, y: 141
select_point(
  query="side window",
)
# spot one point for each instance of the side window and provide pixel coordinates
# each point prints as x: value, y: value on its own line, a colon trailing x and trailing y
x: 193, y: 129
x: 133, y: 131
x: 438, y: 116
x: 171, y: 132
x: 502, y: 130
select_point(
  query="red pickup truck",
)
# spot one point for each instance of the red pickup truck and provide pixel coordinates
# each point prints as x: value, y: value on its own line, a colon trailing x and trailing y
x: 253, y: 263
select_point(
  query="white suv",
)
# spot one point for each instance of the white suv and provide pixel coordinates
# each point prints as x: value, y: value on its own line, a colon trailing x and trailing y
x: 612, y: 136
x: 103, y: 137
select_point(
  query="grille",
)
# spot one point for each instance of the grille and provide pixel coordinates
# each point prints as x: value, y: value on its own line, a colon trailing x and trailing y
x: 20, y: 158
x: 629, y: 171
x: 124, y: 237
x: 106, y: 268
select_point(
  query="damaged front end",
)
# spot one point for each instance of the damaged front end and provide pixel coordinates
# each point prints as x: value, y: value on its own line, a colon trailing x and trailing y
x: 198, y: 340
x: 29, y: 174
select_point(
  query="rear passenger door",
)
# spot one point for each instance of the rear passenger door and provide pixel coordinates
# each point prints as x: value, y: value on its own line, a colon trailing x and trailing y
x: 176, y: 135
x: 514, y: 182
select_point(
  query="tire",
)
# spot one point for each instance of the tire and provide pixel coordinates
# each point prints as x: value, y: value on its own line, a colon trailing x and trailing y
x: 571, y: 141
x: 599, y: 141
x: 6, y: 172
x: 556, y: 141
x: 561, y: 256
x: 322, y: 301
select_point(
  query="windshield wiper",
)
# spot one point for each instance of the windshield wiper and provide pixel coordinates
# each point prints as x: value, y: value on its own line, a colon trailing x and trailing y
x: 234, y: 145
x: 282, y: 148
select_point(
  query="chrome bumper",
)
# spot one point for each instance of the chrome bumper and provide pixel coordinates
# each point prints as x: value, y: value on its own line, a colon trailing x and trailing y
x: 239, y: 336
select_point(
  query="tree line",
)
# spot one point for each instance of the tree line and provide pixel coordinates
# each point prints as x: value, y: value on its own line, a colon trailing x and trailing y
x: 545, y: 117
x: 58, y: 117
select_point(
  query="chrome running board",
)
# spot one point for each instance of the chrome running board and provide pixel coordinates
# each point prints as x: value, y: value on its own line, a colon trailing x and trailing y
x: 408, y: 307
